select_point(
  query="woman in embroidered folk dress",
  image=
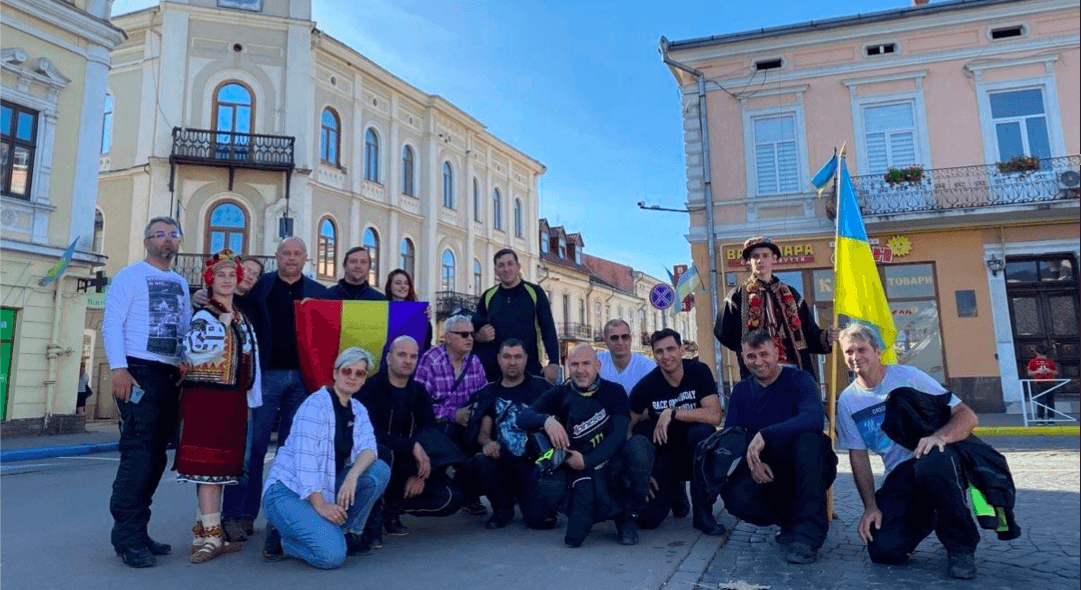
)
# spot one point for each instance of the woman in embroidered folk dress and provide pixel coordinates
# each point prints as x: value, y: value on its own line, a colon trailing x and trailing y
x: 220, y: 382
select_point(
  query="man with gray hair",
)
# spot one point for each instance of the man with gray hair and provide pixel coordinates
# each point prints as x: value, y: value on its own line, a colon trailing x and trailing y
x: 271, y: 301
x: 452, y: 374
x: 618, y: 363
x: 421, y: 458
x: 925, y: 488
x: 147, y: 312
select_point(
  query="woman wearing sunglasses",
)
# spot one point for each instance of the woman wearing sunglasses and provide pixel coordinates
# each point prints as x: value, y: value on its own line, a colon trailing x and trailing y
x: 326, y: 478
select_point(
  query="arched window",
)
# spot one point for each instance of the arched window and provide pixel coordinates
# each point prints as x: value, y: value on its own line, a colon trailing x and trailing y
x: 233, y: 112
x: 476, y: 201
x: 497, y: 209
x: 371, y: 155
x: 327, y: 252
x: 107, y: 125
x: 409, y: 166
x: 371, y: 242
x: 448, y: 186
x: 545, y: 242
x: 408, y: 259
x: 329, y: 142
x: 478, y: 277
x: 227, y: 227
x: 99, y: 231
x: 447, y: 274
x: 518, y: 229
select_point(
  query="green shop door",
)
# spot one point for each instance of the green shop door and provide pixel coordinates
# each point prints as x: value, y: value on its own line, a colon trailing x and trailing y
x: 7, y: 343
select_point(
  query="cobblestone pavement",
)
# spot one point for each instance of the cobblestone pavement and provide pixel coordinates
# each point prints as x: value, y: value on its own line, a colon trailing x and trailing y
x: 1046, y: 557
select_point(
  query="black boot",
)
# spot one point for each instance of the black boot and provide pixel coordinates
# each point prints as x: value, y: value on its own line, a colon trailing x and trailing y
x: 702, y: 506
x: 625, y: 529
x: 272, y: 547
x: 681, y: 506
x: 373, y: 527
x: 392, y: 523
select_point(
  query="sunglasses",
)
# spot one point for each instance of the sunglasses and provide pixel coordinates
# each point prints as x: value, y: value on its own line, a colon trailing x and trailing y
x: 350, y: 372
x: 164, y: 234
x: 463, y: 334
x: 618, y: 337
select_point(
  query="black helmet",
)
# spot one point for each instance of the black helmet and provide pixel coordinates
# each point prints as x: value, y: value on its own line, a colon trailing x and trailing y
x: 547, y: 457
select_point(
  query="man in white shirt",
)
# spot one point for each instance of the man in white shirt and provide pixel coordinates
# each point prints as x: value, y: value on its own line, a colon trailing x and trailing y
x: 619, y: 364
x: 147, y: 312
x: 924, y: 489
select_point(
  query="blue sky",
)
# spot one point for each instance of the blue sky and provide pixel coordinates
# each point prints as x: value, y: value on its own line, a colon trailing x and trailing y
x: 578, y: 85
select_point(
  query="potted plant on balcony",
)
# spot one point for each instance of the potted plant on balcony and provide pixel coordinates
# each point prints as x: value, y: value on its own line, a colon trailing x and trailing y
x: 1022, y: 164
x: 913, y: 173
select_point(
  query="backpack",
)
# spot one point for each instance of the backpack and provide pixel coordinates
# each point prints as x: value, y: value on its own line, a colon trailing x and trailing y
x: 717, y: 457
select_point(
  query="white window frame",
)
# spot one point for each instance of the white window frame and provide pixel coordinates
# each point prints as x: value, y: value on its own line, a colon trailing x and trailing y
x: 923, y: 147
x: 1046, y: 84
x: 794, y: 110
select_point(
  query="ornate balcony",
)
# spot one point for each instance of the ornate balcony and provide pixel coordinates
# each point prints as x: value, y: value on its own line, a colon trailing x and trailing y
x: 574, y: 331
x: 226, y: 149
x: 190, y: 266
x: 970, y: 187
x: 448, y: 301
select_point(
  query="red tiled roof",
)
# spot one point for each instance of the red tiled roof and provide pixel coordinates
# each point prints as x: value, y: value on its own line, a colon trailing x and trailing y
x: 619, y: 275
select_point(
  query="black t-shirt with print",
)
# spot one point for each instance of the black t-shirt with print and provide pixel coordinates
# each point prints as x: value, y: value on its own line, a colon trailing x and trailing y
x: 653, y: 394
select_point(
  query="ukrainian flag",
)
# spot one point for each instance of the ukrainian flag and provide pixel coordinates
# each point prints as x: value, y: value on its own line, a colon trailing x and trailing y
x: 858, y: 291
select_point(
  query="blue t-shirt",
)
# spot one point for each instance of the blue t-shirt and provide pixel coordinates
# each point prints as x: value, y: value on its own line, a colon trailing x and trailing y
x: 860, y: 412
x: 789, y: 406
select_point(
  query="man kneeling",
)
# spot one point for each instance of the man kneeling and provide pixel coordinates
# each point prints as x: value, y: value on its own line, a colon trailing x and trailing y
x: 790, y: 463
x: 605, y: 474
x: 925, y: 489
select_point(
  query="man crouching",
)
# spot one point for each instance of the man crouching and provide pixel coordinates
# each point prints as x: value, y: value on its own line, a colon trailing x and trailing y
x: 605, y: 474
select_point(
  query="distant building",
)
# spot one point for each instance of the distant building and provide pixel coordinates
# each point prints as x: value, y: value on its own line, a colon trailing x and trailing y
x: 963, y: 131
x: 55, y: 67
x: 587, y: 291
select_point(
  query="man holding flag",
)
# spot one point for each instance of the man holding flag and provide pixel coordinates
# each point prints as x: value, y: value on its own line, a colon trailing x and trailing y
x: 764, y: 302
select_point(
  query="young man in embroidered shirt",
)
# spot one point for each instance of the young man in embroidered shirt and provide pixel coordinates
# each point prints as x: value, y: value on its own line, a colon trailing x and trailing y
x: 764, y: 302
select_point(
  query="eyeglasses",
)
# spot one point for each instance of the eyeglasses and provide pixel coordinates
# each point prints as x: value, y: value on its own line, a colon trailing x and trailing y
x: 618, y: 337
x: 161, y: 235
x: 463, y: 334
x: 349, y: 372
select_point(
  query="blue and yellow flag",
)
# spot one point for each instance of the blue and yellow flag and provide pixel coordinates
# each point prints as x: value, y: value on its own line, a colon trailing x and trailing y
x: 57, y: 270
x: 858, y: 291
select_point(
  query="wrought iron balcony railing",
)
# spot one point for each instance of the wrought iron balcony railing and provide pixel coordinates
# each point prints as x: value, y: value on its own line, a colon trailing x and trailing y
x: 575, y: 331
x: 190, y: 266
x: 208, y: 147
x: 969, y: 187
x: 448, y: 301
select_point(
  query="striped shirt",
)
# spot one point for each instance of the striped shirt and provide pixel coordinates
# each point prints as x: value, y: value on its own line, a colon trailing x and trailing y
x: 436, y: 373
x: 306, y: 463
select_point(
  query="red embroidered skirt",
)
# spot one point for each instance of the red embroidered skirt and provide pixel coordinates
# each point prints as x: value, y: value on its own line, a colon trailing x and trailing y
x: 213, y: 430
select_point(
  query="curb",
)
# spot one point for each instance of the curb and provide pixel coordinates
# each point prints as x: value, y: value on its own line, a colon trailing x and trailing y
x: 50, y: 452
x: 1027, y: 430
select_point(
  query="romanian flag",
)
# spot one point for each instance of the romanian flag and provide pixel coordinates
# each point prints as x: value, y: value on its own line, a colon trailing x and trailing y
x: 858, y: 291
x: 325, y: 328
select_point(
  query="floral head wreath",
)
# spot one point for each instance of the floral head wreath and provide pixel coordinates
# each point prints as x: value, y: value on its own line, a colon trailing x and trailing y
x: 224, y: 258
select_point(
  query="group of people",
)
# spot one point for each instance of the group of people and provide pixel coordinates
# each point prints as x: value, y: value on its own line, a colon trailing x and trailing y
x: 438, y: 427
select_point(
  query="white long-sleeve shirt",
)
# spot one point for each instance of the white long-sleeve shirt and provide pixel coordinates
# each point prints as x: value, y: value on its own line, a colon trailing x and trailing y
x: 147, y: 312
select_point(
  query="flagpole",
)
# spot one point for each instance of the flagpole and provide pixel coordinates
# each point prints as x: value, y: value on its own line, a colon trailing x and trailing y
x: 834, y: 356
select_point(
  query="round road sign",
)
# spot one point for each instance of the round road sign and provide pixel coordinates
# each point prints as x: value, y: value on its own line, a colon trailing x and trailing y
x: 662, y: 296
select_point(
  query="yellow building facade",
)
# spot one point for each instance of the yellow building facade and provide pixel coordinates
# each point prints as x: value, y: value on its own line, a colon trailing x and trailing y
x: 55, y: 64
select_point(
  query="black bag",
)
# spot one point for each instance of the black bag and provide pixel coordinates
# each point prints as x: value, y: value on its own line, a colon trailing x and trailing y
x: 718, y: 456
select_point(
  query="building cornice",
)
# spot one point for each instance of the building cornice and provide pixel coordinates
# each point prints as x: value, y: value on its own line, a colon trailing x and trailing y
x: 51, y: 252
x: 69, y: 18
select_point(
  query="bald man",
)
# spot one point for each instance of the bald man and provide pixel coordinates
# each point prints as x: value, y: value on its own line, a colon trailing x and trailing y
x: 411, y: 442
x: 272, y: 296
x: 606, y: 475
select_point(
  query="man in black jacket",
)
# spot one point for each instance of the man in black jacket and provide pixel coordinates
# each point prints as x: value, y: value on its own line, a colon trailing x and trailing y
x: 410, y: 442
x: 354, y: 285
x: 515, y: 309
x: 272, y: 296
x: 606, y: 475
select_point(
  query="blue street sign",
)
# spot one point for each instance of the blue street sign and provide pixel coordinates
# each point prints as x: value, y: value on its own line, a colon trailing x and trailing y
x: 662, y: 296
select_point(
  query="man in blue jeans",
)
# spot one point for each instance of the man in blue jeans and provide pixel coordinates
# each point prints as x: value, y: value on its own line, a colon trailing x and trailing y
x: 272, y: 296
